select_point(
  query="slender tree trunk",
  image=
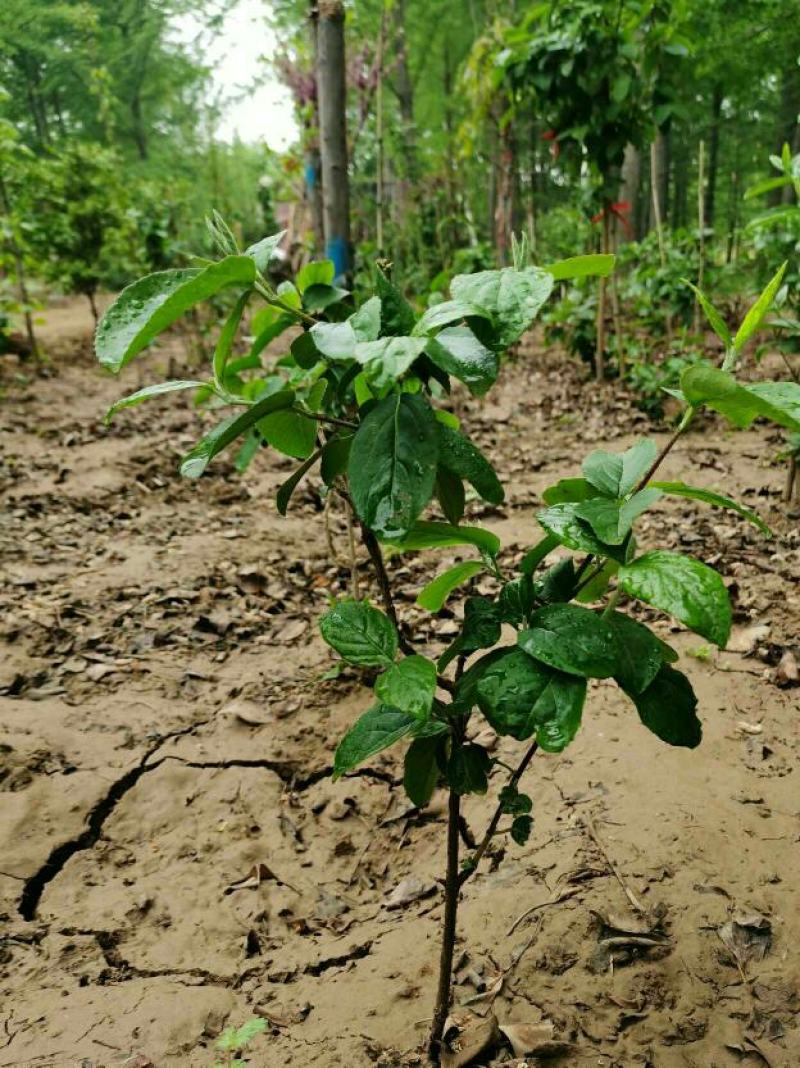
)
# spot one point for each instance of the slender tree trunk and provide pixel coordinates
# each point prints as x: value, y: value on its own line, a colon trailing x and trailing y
x: 787, y: 123
x: 505, y: 200
x: 90, y: 296
x: 600, y: 351
x: 451, y: 891
x: 379, y: 181
x: 19, y: 269
x: 713, y: 154
x: 701, y: 229
x: 629, y: 194
x: 659, y: 177
x: 332, y: 95
x: 409, y: 174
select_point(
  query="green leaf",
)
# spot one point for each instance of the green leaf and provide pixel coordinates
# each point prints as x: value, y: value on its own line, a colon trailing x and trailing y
x: 304, y: 350
x: 285, y: 492
x: 317, y: 298
x: 262, y: 251
x: 667, y: 708
x: 397, y: 315
x: 534, y: 556
x: 274, y: 328
x: 717, y: 323
x: 558, y: 711
x: 319, y: 273
x: 480, y: 630
x: 781, y: 401
x: 717, y: 500
x: 513, y: 803
x: 692, y: 592
x: 335, y: 341
x: 450, y: 494
x: 562, y: 521
x: 615, y: 474
x: 468, y: 769
x: 516, y: 600
x: 433, y: 596
x: 146, y: 308
x: 195, y: 462
x: 755, y: 316
x: 392, y: 468
x: 458, y: 455
x: 247, y: 451
x: 425, y: 535
x: 458, y: 351
x: 571, y: 639
x: 600, y: 266
x: 360, y: 633
x: 640, y: 653
x: 612, y: 521
x: 289, y: 432
x: 150, y: 391
x: 421, y: 770
x: 507, y: 689
x: 597, y: 586
x: 445, y: 313
x: 703, y: 384
x: 386, y: 360
x: 376, y: 730
x: 335, y: 457
x: 228, y: 336
x: 569, y: 491
x: 366, y: 322
x: 409, y: 685
x: 521, y: 829
x: 512, y: 297
x: 557, y: 584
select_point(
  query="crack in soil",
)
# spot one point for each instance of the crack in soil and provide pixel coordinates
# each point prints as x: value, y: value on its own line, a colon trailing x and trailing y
x: 356, y: 953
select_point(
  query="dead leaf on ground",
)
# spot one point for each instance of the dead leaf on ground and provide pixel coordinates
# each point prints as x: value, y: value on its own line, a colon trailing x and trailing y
x: 535, y: 1040
x: 747, y: 936
x: 258, y: 874
x: 748, y: 1047
x: 408, y: 890
x: 745, y: 639
x: 465, y: 1038
x: 787, y: 673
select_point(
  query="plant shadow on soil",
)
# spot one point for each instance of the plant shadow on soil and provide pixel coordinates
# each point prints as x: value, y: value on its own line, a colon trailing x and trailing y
x: 175, y: 857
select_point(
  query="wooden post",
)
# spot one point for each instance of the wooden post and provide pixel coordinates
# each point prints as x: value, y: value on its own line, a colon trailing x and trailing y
x: 701, y: 225
x: 332, y: 96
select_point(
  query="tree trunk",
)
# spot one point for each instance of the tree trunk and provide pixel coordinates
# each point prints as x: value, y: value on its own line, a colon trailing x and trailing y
x: 332, y: 95
x: 451, y: 890
x: 408, y: 176
x: 504, y: 207
x: 19, y: 267
x: 787, y: 124
x: 629, y: 194
x: 659, y: 177
x: 713, y: 155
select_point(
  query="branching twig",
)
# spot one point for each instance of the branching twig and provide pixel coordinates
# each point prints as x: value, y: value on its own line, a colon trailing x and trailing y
x: 592, y: 832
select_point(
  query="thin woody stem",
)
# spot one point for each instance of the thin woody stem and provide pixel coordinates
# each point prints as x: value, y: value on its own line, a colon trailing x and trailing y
x: 452, y: 885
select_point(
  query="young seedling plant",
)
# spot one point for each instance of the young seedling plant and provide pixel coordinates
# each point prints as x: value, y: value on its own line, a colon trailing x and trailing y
x: 361, y: 395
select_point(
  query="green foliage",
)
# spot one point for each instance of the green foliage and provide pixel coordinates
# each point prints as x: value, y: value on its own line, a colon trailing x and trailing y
x: 234, y: 1040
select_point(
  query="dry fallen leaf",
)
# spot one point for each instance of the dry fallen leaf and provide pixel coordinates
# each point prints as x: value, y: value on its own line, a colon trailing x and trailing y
x: 465, y: 1038
x: 748, y: 937
x: 745, y: 639
x: 534, y: 1040
x: 257, y: 875
x: 787, y: 672
x: 407, y: 890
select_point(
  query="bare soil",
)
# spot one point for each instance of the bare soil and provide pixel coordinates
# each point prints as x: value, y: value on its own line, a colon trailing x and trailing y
x: 174, y: 857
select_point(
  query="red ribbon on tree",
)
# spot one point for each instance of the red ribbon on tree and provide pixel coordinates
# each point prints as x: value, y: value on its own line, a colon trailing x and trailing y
x: 620, y: 209
x: 555, y: 147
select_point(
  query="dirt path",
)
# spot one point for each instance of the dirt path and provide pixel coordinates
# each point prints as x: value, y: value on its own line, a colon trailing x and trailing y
x: 166, y: 732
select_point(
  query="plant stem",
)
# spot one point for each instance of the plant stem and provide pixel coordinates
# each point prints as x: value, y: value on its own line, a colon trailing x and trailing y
x: 688, y: 415
x: 323, y: 417
x: 374, y: 550
x: 452, y: 885
x: 495, y: 820
x: 276, y: 302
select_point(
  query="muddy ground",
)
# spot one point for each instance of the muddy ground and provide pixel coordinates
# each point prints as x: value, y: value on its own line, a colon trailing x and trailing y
x: 175, y: 858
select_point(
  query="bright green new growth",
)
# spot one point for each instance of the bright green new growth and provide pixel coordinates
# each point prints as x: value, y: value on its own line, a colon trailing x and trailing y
x: 234, y: 1040
x: 359, y: 393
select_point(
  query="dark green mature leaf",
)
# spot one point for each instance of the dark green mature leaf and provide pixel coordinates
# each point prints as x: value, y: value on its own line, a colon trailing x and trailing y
x: 227, y: 336
x: 480, y: 630
x: 397, y: 315
x: 468, y: 769
x: 531, y: 560
x: 150, y: 391
x: 667, y: 708
x: 458, y: 455
x: 433, y: 596
x: 513, y: 803
x: 558, y: 710
x: 196, y: 461
x: 316, y: 273
x: 360, y: 633
x: 377, y: 729
x: 512, y: 297
x: 562, y: 521
x: 392, y: 467
x: 571, y: 639
x: 445, y: 313
x: 305, y: 352
x: 409, y: 685
x: 289, y: 432
x: 781, y: 401
x: 459, y: 353
x: 703, y: 384
x: 640, y: 653
x: 599, y: 265
x: 506, y: 688
x: 465, y: 696
x: 286, y: 490
x: 755, y: 315
x: 274, y: 328
x: 692, y: 592
x: 425, y: 535
x: 146, y: 308
x: 386, y: 360
x: 557, y: 584
x: 451, y: 495
x: 516, y: 600
x: 421, y: 770
x: 612, y: 521
x: 717, y: 500
x: 596, y: 586
x: 521, y: 829
x: 615, y: 474
x: 335, y: 458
